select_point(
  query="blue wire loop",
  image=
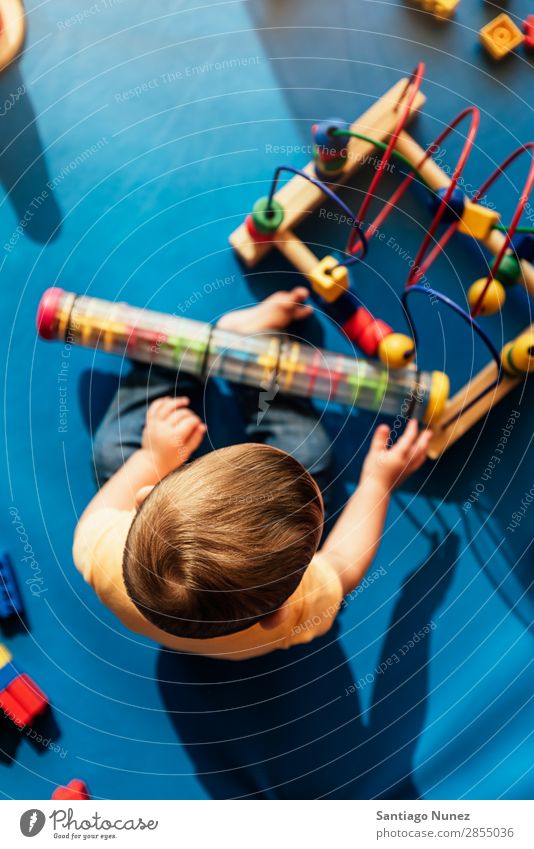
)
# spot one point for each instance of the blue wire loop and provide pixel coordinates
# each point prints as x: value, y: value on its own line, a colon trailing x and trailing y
x: 459, y: 311
x: 332, y: 195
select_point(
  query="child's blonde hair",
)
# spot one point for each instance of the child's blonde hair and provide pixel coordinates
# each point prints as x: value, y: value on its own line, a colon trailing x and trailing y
x: 222, y: 542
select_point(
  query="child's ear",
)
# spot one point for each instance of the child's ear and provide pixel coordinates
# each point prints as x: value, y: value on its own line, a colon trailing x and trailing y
x: 274, y: 620
x: 141, y: 494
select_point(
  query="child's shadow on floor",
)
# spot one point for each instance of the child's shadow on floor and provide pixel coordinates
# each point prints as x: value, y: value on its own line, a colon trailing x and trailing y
x: 290, y: 725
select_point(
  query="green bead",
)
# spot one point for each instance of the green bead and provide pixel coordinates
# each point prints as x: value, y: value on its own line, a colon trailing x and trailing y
x: 509, y: 270
x: 266, y: 219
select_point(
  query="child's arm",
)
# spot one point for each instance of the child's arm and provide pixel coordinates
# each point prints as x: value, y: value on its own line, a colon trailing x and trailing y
x: 172, y: 432
x: 353, y: 542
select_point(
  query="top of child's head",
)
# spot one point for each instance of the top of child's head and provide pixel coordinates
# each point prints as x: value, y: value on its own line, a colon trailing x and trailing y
x: 220, y: 544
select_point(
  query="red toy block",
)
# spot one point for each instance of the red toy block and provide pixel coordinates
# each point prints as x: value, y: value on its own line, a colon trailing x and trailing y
x: 75, y: 790
x: 13, y: 710
x: 528, y: 29
x: 22, y: 700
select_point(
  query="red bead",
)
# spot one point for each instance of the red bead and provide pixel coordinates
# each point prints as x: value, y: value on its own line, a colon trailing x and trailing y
x: 76, y: 790
x: 372, y: 336
x: 528, y: 29
x: 255, y: 234
x: 357, y: 323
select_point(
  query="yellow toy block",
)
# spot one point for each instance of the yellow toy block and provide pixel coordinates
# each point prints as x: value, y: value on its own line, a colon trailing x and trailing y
x: 477, y: 221
x: 329, y: 279
x: 5, y: 655
x: 440, y: 8
x: 501, y: 36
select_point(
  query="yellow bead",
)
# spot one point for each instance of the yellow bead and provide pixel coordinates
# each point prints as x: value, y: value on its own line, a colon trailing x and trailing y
x: 477, y: 221
x: 396, y: 350
x: 517, y: 357
x: 493, y: 299
x: 329, y: 279
x: 437, y: 398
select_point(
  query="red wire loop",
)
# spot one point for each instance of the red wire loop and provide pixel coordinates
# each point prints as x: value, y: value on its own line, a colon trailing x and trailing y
x: 413, y: 85
x: 520, y: 208
x: 419, y: 268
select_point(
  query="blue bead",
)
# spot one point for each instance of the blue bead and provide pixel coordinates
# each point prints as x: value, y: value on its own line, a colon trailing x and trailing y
x: 454, y: 208
x: 322, y: 137
x: 524, y: 247
x: 8, y: 673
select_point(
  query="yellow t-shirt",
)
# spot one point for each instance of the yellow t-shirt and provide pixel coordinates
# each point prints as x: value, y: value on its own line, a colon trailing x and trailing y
x: 98, y: 548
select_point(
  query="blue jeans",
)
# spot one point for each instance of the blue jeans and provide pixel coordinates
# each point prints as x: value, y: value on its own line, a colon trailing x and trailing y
x: 288, y: 423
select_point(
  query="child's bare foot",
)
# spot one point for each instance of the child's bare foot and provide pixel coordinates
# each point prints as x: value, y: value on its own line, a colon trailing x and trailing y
x: 171, y: 434
x: 274, y: 313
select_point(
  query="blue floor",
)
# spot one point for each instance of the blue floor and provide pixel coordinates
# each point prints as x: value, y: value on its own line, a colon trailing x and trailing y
x: 135, y: 137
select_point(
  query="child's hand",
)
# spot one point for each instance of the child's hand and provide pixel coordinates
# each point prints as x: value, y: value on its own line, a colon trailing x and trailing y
x: 274, y: 313
x: 171, y: 433
x: 391, y: 466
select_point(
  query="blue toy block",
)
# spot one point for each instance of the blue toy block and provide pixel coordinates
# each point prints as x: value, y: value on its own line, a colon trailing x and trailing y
x: 8, y: 673
x: 10, y: 598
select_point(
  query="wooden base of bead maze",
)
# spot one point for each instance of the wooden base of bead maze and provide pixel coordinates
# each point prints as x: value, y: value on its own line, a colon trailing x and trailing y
x: 453, y: 424
x: 300, y: 197
x: 12, y: 30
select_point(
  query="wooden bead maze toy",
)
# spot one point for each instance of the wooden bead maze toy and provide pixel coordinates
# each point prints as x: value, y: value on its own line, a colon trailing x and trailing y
x: 340, y: 150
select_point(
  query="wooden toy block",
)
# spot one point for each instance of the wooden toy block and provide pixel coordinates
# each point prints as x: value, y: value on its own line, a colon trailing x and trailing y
x: 75, y: 790
x: 477, y: 221
x: 12, y: 30
x: 299, y: 197
x: 501, y: 36
x: 454, y: 423
x: 329, y: 279
x: 528, y: 29
x: 10, y: 598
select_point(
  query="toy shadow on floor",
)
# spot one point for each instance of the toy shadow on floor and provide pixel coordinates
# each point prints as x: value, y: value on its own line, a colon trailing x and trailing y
x: 23, y: 170
x: 40, y: 735
x: 290, y: 725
